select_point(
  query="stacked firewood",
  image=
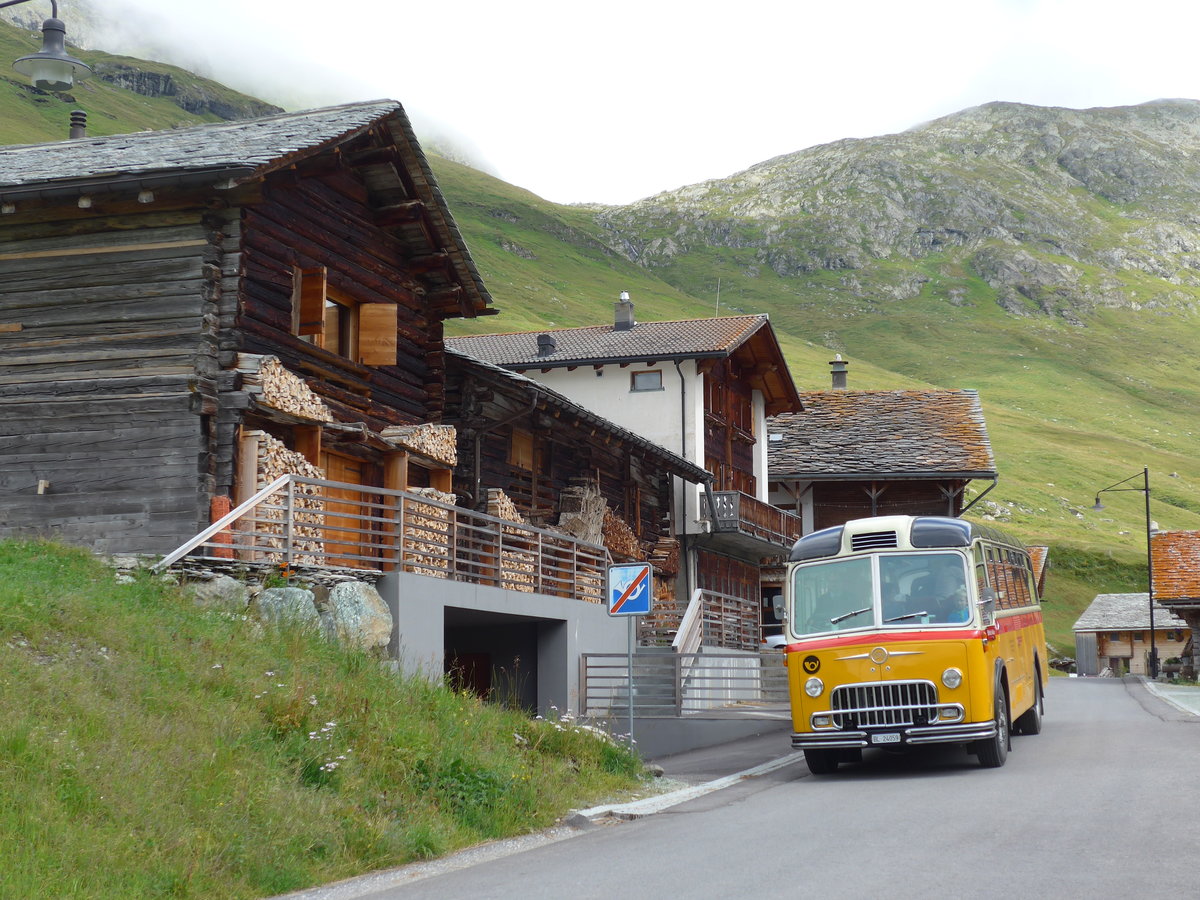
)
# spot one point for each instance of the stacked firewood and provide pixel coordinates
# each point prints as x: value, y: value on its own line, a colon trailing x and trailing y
x: 266, y: 379
x: 436, y: 442
x: 273, y: 459
x: 427, y: 534
x: 501, y: 506
x: 665, y: 556
x: 620, y: 539
x: 582, y: 513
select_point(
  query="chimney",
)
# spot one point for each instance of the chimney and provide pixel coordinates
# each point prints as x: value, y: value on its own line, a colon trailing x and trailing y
x: 623, y: 313
x: 546, y: 345
x: 78, y: 124
x: 839, y: 366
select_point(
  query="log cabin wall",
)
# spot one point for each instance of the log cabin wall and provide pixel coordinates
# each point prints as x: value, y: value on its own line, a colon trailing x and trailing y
x: 729, y: 437
x: 837, y: 502
x: 325, y: 221
x: 108, y: 373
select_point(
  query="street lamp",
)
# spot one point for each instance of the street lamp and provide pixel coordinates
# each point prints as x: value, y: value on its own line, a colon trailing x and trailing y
x: 51, y: 68
x: 1145, y: 489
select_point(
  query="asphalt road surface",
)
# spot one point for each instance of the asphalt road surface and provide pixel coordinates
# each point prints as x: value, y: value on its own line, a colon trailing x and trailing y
x: 1103, y: 803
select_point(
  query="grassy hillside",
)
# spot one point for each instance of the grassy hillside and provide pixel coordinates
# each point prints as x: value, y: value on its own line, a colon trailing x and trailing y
x: 29, y: 116
x: 150, y: 747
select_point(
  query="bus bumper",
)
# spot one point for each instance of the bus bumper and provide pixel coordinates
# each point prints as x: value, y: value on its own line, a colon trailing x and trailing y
x: 932, y: 734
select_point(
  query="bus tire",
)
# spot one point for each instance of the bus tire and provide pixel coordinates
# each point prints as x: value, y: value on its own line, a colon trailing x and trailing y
x: 993, y: 751
x: 1030, y: 721
x: 822, y: 762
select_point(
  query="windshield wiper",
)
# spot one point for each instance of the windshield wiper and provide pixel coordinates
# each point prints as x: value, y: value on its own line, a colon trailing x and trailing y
x: 849, y: 615
x: 912, y: 615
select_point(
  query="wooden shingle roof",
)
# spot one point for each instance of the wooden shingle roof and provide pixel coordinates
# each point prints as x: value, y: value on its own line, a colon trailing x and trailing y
x: 1176, y: 558
x: 1125, y: 612
x: 845, y: 434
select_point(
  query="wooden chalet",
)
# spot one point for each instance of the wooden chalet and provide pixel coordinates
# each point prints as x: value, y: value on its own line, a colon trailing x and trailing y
x: 704, y: 386
x: 186, y: 314
x: 853, y: 454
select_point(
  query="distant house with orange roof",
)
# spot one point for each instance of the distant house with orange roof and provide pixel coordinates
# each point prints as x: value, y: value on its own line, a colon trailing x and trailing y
x: 1176, y: 559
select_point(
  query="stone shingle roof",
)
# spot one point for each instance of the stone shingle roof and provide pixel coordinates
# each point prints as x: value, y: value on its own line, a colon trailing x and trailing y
x: 684, y: 339
x: 259, y: 144
x: 672, y: 462
x: 846, y: 434
x: 1176, y: 557
x: 224, y: 154
x: 1125, y: 612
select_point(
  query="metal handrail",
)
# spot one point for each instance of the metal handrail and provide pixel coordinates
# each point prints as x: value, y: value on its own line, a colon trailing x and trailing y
x: 296, y: 518
x: 221, y: 524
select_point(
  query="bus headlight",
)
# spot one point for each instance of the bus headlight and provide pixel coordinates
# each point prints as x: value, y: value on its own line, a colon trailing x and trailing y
x: 952, y: 678
x: 813, y: 687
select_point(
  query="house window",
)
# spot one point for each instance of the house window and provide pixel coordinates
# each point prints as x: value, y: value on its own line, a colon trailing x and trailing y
x: 646, y: 381
x: 334, y: 321
x: 1137, y: 636
x: 521, y: 450
x: 1114, y: 635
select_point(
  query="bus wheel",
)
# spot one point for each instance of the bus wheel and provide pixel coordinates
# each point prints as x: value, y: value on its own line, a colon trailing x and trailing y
x: 822, y: 762
x: 1030, y: 721
x: 993, y: 751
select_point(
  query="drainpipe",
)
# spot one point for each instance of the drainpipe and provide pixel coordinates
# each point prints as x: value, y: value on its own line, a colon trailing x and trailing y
x: 683, y: 536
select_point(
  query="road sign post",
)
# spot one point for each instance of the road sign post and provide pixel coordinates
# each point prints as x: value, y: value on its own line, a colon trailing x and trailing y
x: 630, y: 589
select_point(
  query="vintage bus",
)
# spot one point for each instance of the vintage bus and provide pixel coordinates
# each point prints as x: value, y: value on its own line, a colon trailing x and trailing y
x: 906, y: 630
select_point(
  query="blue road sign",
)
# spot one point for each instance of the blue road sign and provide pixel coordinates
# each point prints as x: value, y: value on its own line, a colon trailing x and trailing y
x: 630, y: 588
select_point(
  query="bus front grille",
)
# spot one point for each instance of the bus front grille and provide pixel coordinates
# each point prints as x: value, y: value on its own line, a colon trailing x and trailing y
x: 884, y: 704
x: 874, y: 540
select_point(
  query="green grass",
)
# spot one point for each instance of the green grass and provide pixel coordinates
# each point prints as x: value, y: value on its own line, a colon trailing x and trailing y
x: 150, y: 748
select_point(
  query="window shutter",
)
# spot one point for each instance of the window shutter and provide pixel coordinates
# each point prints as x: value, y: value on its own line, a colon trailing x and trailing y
x: 308, y: 301
x: 377, y: 325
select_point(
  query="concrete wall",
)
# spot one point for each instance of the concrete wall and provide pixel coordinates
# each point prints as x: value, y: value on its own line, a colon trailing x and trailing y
x: 549, y: 633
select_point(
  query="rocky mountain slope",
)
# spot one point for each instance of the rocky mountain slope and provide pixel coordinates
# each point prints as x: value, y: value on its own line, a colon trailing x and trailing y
x: 1058, y: 212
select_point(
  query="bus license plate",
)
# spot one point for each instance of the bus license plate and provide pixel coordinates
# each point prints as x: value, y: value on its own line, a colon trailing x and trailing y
x: 890, y: 737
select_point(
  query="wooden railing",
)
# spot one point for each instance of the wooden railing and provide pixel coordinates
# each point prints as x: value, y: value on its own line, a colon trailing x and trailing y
x: 731, y: 623
x: 298, y: 523
x: 738, y: 512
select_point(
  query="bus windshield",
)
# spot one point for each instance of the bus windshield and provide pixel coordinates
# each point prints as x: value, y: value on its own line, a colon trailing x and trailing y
x: 877, y: 591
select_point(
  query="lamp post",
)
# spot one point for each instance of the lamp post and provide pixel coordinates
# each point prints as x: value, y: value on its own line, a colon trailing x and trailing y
x: 1144, y: 489
x: 51, y: 68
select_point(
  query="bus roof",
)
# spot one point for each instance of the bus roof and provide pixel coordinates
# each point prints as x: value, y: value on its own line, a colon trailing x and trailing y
x: 895, y: 532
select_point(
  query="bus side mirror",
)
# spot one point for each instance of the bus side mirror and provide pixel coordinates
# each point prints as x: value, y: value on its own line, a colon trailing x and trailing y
x: 987, y: 606
x: 777, y: 606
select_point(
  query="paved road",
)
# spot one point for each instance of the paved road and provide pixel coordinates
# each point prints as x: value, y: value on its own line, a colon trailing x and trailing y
x: 1102, y: 803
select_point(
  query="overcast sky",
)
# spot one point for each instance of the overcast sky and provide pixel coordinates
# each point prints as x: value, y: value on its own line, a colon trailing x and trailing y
x: 609, y: 102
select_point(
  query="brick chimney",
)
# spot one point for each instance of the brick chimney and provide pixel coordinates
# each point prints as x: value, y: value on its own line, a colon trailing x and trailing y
x: 838, y: 367
x: 623, y: 313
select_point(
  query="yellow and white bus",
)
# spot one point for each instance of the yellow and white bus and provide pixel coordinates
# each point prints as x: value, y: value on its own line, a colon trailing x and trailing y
x: 906, y: 630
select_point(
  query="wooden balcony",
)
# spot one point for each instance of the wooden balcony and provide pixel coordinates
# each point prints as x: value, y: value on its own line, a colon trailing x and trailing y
x: 306, y: 525
x: 748, y: 524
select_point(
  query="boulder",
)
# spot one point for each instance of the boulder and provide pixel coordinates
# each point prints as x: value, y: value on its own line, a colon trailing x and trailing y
x: 286, y: 606
x: 355, y: 614
x: 220, y: 592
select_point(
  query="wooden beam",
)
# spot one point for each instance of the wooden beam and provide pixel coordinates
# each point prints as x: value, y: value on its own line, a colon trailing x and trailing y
x: 399, y: 213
